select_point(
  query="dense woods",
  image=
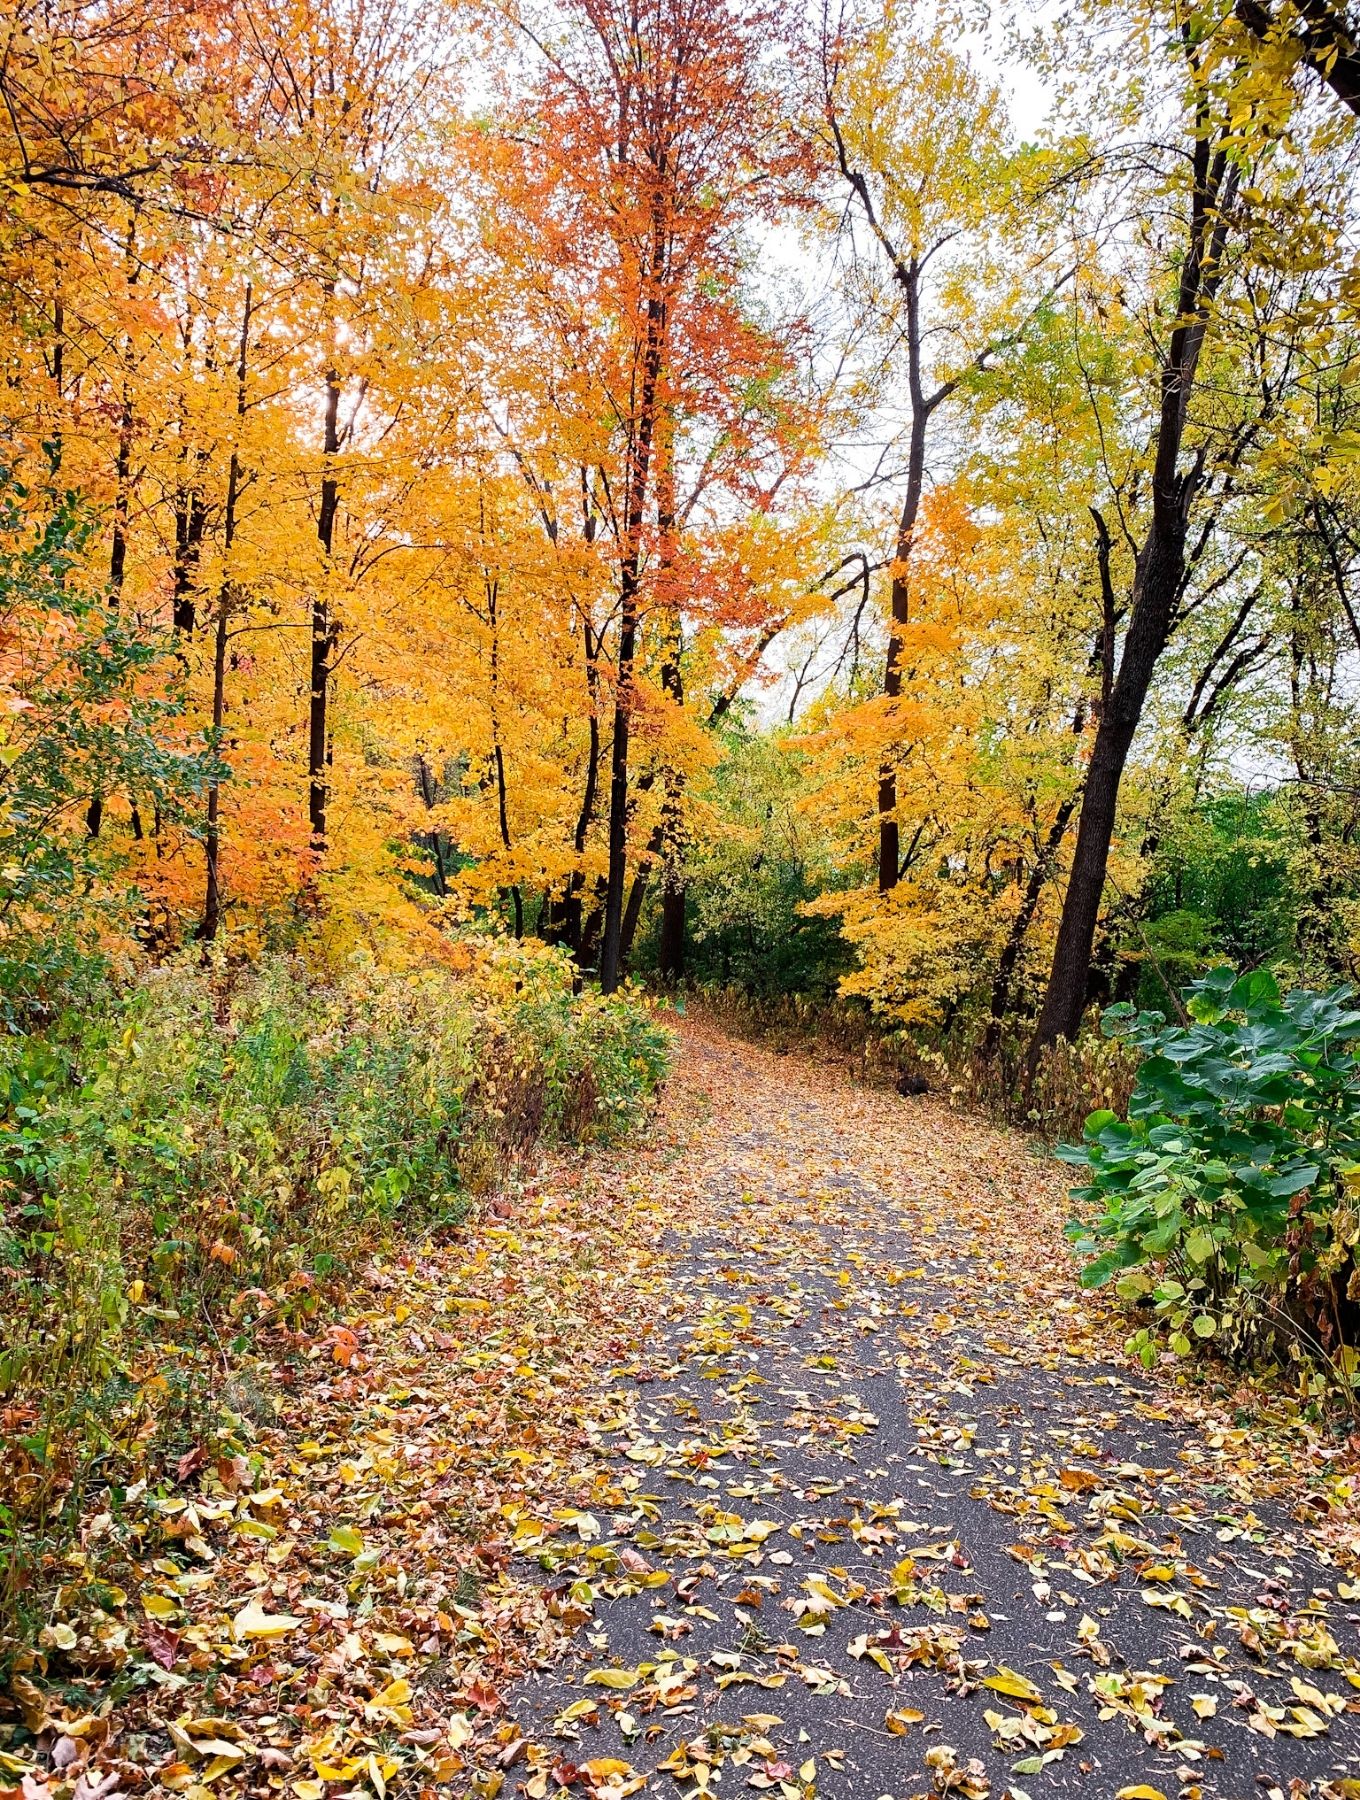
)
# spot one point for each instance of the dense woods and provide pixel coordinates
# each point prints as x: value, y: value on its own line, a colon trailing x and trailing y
x: 450, y: 456
x: 520, y: 515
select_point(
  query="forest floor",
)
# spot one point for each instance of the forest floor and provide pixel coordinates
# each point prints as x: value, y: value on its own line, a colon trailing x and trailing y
x: 778, y: 1452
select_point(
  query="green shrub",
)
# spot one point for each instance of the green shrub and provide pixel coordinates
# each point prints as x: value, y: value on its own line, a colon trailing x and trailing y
x: 206, y: 1150
x: 1229, y: 1199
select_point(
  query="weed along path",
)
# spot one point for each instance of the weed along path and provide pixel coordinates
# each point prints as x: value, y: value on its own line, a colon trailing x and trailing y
x: 881, y: 1511
x: 775, y: 1451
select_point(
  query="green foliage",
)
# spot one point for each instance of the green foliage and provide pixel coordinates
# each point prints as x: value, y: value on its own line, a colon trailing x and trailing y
x: 1230, y: 1196
x: 1250, y: 878
x: 200, y: 1157
x: 761, y: 859
x: 84, y: 720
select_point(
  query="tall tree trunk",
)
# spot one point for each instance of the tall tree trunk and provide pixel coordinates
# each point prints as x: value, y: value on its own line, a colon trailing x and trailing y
x: 94, y: 816
x: 671, y: 956
x: 643, y: 424
x: 1009, y: 959
x: 672, y: 949
x: 1102, y: 662
x: 324, y: 630
x: 889, y: 832
x: 1159, y: 573
x: 516, y: 896
x: 212, y: 840
x: 56, y: 443
x: 565, y: 918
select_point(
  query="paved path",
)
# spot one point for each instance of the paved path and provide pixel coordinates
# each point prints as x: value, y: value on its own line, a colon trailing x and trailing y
x: 884, y: 1513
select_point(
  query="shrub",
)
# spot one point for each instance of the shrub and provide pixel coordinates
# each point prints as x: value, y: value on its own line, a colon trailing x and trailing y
x: 1229, y: 1199
x: 203, y: 1151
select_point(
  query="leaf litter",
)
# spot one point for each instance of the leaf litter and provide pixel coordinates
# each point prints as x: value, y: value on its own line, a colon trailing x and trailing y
x: 780, y: 1452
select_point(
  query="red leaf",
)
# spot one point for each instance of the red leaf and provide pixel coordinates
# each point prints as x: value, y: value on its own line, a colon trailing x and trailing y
x: 163, y: 1644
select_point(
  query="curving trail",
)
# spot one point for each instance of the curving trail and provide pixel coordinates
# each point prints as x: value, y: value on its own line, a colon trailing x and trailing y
x: 776, y: 1451
x: 880, y: 1508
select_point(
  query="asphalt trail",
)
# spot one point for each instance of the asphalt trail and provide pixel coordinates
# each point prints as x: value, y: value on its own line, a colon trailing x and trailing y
x: 876, y: 1528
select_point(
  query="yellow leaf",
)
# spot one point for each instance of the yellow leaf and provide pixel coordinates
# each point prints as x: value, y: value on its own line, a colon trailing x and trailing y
x: 612, y: 1678
x: 254, y: 1622
x: 1140, y: 1791
x: 1007, y: 1681
x: 391, y: 1702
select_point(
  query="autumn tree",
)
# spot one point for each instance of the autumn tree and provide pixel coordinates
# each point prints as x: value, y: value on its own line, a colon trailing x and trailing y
x: 921, y: 145
x: 657, y: 143
x: 1212, y: 311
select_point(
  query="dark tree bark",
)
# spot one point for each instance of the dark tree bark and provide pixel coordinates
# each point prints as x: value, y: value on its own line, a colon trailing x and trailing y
x: 429, y: 793
x: 325, y: 631
x: 672, y: 945
x: 639, y: 470
x: 568, y: 918
x: 212, y: 842
x: 672, y: 949
x: 191, y: 518
x: 1040, y: 870
x: 908, y: 273
x: 1159, y: 574
x: 889, y: 832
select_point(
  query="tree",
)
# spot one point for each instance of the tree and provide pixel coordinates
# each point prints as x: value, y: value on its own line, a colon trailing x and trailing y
x: 658, y: 143
x: 922, y: 144
x: 1225, y: 308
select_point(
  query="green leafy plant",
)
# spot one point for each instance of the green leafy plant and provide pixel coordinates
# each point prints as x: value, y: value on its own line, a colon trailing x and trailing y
x: 93, y: 706
x: 201, y: 1155
x: 1229, y: 1198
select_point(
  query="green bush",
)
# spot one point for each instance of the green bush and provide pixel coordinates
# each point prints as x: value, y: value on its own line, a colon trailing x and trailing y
x: 1229, y: 1199
x: 203, y: 1151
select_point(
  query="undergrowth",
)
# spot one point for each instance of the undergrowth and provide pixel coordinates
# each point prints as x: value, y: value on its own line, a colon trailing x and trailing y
x: 189, y: 1156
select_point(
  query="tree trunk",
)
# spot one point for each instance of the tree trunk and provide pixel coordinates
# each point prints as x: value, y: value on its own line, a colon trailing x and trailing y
x: 324, y: 632
x: 889, y: 832
x: 672, y: 946
x: 566, y: 917
x: 497, y: 752
x: 429, y: 793
x: 639, y: 468
x: 212, y: 842
x: 94, y: 816
x: 1157, y: 585
x: 1020, y: 924
x: 191, y: 518
x: 672, y: 955
x: 632, y: 914
x: 1159, y: 573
